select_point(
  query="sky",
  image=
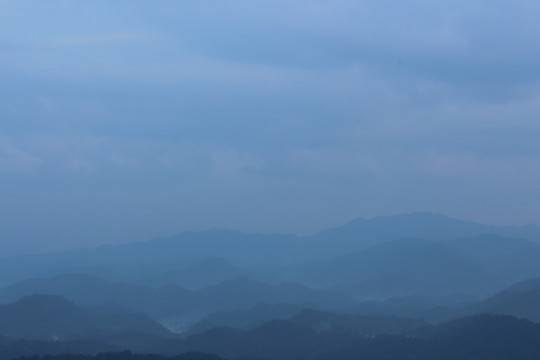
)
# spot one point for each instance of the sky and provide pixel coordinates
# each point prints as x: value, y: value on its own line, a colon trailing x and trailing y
x: 125, y: 120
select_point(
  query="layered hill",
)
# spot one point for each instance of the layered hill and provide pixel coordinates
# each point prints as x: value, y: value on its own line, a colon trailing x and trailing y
x: 51, y: 317
x: 168, y: 259
x: 521, y: 300
x: 165, y: 303
x: 478, y: 337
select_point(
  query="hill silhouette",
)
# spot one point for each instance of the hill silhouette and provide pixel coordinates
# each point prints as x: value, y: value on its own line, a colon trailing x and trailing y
x: 51, y: 317
x: 163, y: 259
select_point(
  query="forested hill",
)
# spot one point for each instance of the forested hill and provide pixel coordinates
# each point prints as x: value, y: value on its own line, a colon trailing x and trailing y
x: 125, y: 355
x: 483, y: 337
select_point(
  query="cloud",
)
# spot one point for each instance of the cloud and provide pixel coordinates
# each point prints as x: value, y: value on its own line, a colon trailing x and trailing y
x: 14, y: 159
x: 458, y: 43
x: 78, y: 165
x: 124, y: 161
x: 47, y: 104
x: 232, y: 165
x: 278, y: 110
x: 334, y: 163
x: 455, y: 49
x: 99, y: 40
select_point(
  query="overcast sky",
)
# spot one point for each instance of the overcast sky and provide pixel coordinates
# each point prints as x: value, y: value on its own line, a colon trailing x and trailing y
x: 127, y: 120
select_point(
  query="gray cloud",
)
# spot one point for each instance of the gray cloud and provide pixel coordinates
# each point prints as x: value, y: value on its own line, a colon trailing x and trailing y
x: 127, y: 120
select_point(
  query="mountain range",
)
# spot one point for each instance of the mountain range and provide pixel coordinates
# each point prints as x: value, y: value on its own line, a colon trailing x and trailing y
x: 405, y: 281
x: 51, y: 317
x: 173, y: 302
x: 165, y: 257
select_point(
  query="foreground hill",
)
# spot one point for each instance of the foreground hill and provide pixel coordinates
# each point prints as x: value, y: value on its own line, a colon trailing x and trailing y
x: 110, y: 355
x: 311, y: 335
x: 84, y: 289
x: 309, y: 318
x: 126, y: 355
x: 55, y: 318
x: 478, y: 337
x: 11, y: 349
x: 245, y: 319
x: 169, y: 302
x: 486, y: 336
x: 366, y: 325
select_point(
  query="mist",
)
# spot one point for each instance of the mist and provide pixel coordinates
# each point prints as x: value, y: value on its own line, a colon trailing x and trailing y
x: 128, y: 121
x: 269, y: 180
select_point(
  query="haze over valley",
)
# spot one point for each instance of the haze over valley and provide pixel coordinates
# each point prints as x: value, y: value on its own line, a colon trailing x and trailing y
x: 409, y: 276
x: 269, y: 180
